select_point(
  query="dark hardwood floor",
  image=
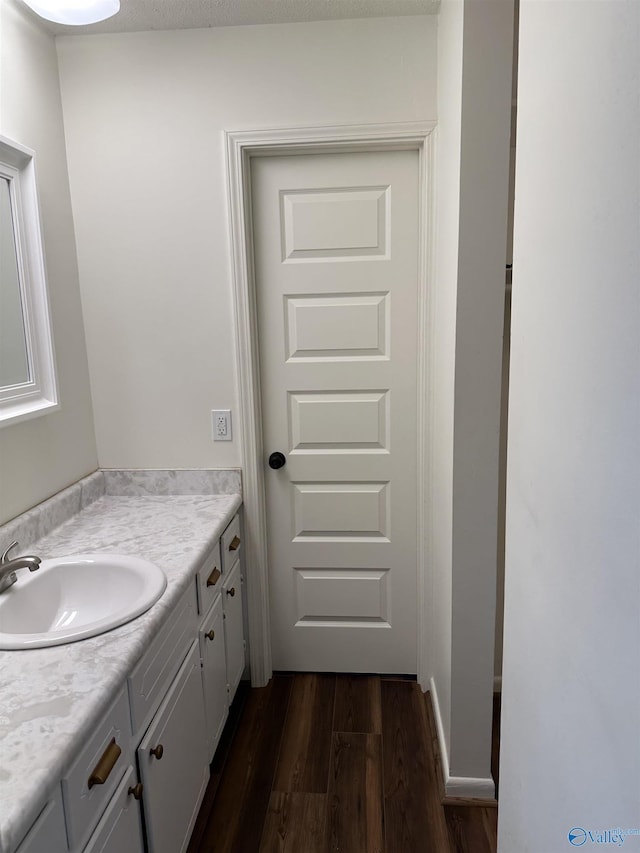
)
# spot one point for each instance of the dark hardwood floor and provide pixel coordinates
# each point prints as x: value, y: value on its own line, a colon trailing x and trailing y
x: 324, y: 763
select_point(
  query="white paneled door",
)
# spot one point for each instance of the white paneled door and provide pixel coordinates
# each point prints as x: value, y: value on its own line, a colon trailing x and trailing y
x: 336, y: 268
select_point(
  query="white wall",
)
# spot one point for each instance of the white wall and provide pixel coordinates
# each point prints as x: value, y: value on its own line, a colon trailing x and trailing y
x: 475, y: 62
x: 571, y: 675
x: 144, y: 116
x: 41, y: 456
x: 484, y: 182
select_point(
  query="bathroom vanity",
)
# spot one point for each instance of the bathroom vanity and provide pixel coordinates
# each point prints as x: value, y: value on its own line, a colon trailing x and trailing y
x: 105, y: 744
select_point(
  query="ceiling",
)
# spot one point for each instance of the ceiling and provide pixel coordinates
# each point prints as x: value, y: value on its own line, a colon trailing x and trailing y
x: 136, y: 15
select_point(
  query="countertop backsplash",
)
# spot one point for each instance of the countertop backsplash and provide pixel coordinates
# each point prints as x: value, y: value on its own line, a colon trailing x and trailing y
x: 40, y: 520
x: 137, y: 483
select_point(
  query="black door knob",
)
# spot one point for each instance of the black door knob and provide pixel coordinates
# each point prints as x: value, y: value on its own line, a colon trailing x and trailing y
x: 277, y: 460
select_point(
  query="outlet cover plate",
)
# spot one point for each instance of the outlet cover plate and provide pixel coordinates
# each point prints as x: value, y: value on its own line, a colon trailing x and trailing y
x: 221, y: 424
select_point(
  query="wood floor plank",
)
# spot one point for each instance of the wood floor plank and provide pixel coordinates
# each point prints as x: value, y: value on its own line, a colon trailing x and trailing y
x: 303, y: 765
x: 414, y: 818
x: 237, y: 816
x: 356, y: 809
x: 381, y: 790
x: 472, y: 829
x: 295, y: 823
x: 358, y: 704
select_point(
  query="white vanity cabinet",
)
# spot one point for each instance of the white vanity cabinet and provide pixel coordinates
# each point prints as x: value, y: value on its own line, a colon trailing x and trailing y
x: 145, y: 764
x: 174, y: 766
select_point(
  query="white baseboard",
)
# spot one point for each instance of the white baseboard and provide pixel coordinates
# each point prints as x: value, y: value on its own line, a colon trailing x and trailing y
x: 466, y: 787
x: 497, y: 684
x: 442, y: 744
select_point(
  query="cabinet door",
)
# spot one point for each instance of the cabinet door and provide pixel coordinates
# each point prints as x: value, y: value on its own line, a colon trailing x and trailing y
x: 233, y: 628
x: 120, y: 829
x: 214, y: 675
x: 173, y: 761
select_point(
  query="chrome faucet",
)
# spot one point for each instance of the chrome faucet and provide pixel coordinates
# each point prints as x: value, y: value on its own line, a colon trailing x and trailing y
x: 8, y: 567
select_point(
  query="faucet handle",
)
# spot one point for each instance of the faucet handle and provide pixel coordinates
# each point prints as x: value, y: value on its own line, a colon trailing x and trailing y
x: 3, y: 558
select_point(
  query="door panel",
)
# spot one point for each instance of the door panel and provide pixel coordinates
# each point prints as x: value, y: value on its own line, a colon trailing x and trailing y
x: 336, y: 266
x: 347, y: 421
x: 326, y: 595
x: 329, y: 224
x: 340, y: 327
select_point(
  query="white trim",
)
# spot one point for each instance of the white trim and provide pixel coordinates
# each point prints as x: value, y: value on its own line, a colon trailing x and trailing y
x: 467, y: 787
x: 425, y: 386
x: 241, y: 147
x: 442, y: 742
x: 39, y: 394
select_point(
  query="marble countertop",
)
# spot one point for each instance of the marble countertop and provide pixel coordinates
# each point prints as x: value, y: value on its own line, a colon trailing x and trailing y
x: 50, y: 698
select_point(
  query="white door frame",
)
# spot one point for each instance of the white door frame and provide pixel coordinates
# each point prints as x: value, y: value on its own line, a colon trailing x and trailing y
x: 241, y: 148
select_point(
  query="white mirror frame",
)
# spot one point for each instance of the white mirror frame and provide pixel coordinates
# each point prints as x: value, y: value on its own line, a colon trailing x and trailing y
x: 39, y: 395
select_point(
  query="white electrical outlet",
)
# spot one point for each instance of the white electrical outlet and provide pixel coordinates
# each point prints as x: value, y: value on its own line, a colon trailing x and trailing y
x: 221, y: 424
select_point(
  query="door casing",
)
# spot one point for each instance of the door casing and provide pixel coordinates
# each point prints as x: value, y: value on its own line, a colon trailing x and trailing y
x: 241, y: 147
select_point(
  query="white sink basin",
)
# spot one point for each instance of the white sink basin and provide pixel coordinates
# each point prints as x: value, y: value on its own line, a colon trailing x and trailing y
x: 72, y: 598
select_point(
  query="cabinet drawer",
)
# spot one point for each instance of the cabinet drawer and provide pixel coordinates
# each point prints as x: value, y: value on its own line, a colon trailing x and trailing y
x: 209, y: 580
x: 94, y: 775
x: 231, y: 544
x: 173, y: 763
x: 120, y: 829
x: 150, y: 679
x: 47, y: 835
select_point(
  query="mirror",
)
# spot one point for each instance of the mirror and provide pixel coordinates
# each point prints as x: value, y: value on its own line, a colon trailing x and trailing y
x: 27, y: 369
